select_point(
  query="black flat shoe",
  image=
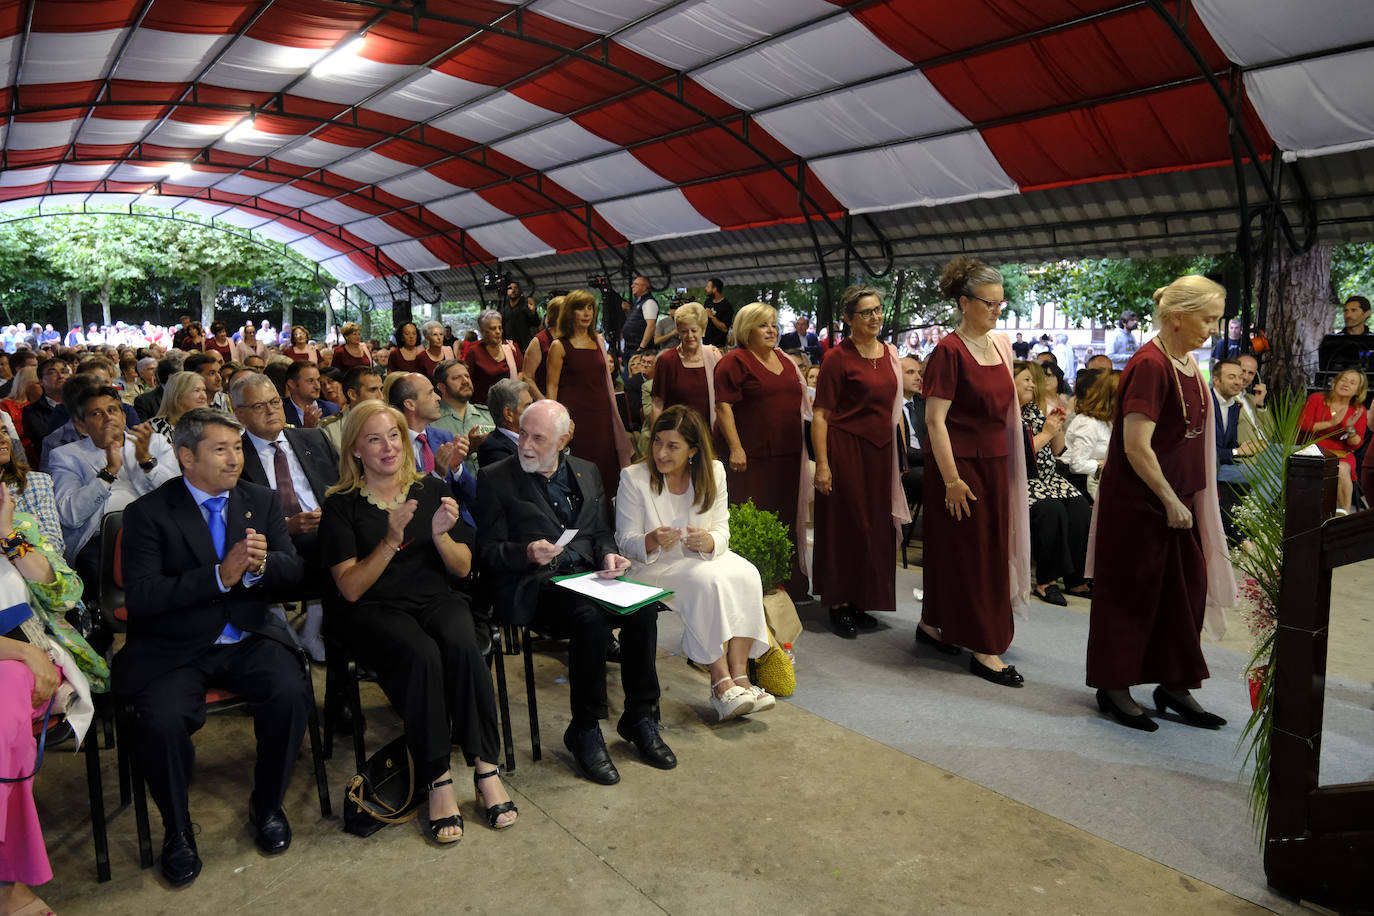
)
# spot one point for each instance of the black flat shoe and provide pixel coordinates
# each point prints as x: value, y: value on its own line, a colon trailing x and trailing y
x: 180, y: 860
x: 863, y: 620
x: 271, y: 830
x: 939, y: 645
x: 1052, y: 595
x: 588, y: 749
x: 644, y: 736
x: 493, y: 813
x: 438, y: 824
x: 1007, y: 677
x: 1142, y: 722
x: 1198, y: 718
x: 842, y: 622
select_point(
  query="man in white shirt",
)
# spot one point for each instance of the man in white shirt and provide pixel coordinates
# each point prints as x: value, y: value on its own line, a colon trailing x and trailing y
x: 1254, y: 414
x: 104, y: 471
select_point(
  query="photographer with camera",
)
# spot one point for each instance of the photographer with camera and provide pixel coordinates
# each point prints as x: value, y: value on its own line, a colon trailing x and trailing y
x: 519, y: 316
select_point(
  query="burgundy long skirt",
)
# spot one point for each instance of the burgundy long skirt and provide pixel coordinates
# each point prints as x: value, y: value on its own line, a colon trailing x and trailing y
x: 772, y: 484
x: 1149, y: 598
x: 855, y: 533
x: 966, y: 565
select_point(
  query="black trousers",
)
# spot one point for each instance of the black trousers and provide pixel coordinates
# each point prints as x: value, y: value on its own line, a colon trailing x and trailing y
x: 1059, y: 539
x: 171, y: 708
x: 587, y: 626
x: 431, y: 669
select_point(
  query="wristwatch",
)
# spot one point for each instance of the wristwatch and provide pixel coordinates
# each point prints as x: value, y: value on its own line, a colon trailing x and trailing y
x: 105, y: 475
x: 148, y: 465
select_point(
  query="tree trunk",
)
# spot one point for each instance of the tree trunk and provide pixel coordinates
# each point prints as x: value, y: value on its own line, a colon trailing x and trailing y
x: 288, y: 316
x: 209, y: 290
x: 1299, y: 315
x: 105, y: 304
x: 365, y: 323
x: 73, y: 308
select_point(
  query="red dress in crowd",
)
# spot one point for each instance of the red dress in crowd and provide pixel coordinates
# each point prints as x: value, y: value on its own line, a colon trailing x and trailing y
x: 1315, y: 411
x: 767, y: 414
x: 345, y: 360
x: 309, y: 356
x: 486, y: 371
x: 396, y: 362
x: 541, y: 374
x: 582, y: 388
x: 966, y: 563
x: 428, y: 363
x: 225, y: 350
x: 679, y: 384
x: 855, y: 533
x: 1150, y: 580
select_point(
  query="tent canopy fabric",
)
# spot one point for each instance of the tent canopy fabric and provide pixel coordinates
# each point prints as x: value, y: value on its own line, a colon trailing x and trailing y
x: 437, y: 139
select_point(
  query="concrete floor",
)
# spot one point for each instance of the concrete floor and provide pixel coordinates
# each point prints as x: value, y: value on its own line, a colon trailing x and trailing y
x: 785, y: 812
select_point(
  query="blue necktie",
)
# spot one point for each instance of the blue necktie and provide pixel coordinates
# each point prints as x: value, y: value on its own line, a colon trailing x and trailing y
x: 214, y: 508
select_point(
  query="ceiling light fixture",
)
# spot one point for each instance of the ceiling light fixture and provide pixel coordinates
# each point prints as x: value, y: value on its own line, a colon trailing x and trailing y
x: 178, y: 170
x: 240, y: 131
x: 341, y: 59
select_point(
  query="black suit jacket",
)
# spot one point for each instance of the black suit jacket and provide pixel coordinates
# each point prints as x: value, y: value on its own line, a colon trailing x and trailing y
x: 321, y: 465
x: 512, y: 512
x: 176, y: 609
x: 494, y: 447
x: 147, y: 404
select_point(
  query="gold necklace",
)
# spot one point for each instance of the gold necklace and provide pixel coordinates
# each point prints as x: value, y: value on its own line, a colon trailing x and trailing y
x: 872, y: 360
x: 1188, y: 431
x: 985, y: 346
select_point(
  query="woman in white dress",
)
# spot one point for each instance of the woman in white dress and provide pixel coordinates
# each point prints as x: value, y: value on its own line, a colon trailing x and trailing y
x: 673, y: 522
x: 1090, y: 431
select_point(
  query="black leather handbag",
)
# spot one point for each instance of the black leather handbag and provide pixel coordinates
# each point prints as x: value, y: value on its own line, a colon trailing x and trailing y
x: 382, y: 793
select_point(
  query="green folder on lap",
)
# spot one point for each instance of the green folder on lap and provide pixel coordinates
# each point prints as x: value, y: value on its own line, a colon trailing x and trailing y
x: 619, y: 596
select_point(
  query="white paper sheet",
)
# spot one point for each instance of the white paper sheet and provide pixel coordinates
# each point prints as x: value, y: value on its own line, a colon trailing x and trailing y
x: 612, y: 591
x: 565, y: 538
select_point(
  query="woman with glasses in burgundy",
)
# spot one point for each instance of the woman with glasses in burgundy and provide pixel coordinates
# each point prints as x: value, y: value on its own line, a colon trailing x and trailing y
x: 1158, y: 559
x: 859, y: 501
x: 977, y: 524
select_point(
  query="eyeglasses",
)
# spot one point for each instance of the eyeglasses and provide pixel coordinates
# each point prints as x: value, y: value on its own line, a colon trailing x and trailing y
x: 875, y: 312
x: 259, y: 406
x: 999, y: 305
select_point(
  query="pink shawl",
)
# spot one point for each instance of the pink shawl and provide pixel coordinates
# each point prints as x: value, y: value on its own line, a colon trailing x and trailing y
x: 622, y: 439
x: 805, y: 488
x: 710, y: 356
x: 1018, y: 521
x: 1221, y: 578
x: 508, y: 349
x: 901, y: 512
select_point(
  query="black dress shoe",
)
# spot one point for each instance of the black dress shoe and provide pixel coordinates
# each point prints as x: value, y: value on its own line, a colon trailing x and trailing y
x: 180, y: 860
x: 644, y: 736
x: 343, y: 719
x: 939, y: 645
x: 1139, y: 721
x: 1052, y: 595
x: 271, y: 830
x: 842, y: 622
x: 588, y: 748
x: 864, y: 620
x: 613, y: 653
x: 1198, y: 718
x: 1006, y: 677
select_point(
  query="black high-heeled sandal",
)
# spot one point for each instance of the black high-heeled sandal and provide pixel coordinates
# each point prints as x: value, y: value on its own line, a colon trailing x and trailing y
x: 453, y: 820
x: 493, y: 813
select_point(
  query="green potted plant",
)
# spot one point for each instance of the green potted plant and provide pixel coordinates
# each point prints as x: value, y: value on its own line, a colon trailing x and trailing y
x: 759, y: 537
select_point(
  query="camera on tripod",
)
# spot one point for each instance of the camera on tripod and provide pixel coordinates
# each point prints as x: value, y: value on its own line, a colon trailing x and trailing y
x: 599, y: 282
x: 496, y: 279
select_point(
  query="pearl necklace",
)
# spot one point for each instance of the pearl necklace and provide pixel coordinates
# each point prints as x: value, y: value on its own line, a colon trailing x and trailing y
x: 985, y: 347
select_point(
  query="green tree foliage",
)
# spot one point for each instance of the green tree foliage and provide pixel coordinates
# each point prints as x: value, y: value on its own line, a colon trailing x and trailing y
x: 1101, y: 289
x: 1352, y: 271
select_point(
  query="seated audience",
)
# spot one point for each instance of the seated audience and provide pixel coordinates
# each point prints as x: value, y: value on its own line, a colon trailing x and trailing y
x: 331, y: 386
x: 436, y: 452
x: 208, y: 365
x: 62, y: 428
x: 672, y: 520
x: 361, y: 383
x: 302, y: 403
x: 219, y: 342
x: 1059, y: 514
x: 146, y: 404
x: 391, y: 537
x: 1090, y: 431
x: 182, y: 392
x: 24, y: 391
x: 32, y: 492
x: 803, y: 339
x: 457, y: 413
x: 1254, y: 414
x: 913, y: 429
x: 37, y: 416
x: 200, y: 554
x: 43, y: 660
x: 1338, y: 422
x: 523, y: 507
x: 1228, y: 383
x: 507, y: 401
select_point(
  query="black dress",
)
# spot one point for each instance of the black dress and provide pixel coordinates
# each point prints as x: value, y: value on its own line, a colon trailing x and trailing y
x: 414, y: 629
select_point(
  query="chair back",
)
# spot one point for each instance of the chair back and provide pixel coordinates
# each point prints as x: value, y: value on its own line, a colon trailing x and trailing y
x: 111, y: 586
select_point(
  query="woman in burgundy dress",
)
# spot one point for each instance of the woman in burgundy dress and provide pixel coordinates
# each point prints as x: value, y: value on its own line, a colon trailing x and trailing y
x: 220, y: 342
x: 405, y: 356
x: 1159, y: 556
x: 493, y: 359
x: 580, y: 380
x: 685, y: 374
x: 977, y: 521
x: 760, y: 401
x: 352, y: 352
x: 859, y: 501
x: 435, y: 351
x: 535, y: 370
x: 1337, y: 421
x: 300, y: 349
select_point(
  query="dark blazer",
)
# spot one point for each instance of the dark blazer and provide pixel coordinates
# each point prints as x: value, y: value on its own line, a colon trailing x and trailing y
x: 321, y: 465
x: 293, y: 416
x: 916, y: 416
x: 494, y: 447
x: 176, y: 609
x: 37, y: 419
x: 147, y: 404
x: 1228, y: 429
x: 512, y: 512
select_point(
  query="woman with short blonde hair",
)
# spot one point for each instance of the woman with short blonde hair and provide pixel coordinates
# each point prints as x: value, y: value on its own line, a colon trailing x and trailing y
x: 685, y: 374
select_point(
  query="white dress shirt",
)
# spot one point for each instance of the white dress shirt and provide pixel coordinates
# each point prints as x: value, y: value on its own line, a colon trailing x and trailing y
x: 267, y: 454
x: 83, y: 498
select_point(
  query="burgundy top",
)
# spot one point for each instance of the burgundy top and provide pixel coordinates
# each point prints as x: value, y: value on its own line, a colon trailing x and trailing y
x: 1150, y: 386
x: 396, y: 362
x: 227, y: 350
x: 345, y: 360
x: 980, y: 398
x: 428, y: 363
x: 858, y: 392
x: 486, y: 371
x: 679, y: 384
x: 766, y: 407
x: 541, y: 375
x: 309, y: 356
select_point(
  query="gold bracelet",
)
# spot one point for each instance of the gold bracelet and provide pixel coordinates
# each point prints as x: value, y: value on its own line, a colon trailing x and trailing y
x: 954, y: 483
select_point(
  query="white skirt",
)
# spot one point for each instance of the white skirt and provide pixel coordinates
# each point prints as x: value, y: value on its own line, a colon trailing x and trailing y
x: 718, y: 600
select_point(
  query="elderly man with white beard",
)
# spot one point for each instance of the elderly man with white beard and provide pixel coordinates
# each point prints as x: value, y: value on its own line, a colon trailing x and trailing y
x: 524, y: 507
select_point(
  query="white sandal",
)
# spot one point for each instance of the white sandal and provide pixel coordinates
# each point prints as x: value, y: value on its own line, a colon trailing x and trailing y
x: 763, y: 700
x: 735, y: 702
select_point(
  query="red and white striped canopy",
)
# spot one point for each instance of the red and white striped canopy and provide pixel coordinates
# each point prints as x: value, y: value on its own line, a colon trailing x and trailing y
x: 381, y: 138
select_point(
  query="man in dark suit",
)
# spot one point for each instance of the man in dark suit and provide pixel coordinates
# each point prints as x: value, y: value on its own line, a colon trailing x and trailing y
x: 303, y: 404
x: 201, y: 552
x: 436, y: 451
x: 913, y: 429
x: 506, y: 400
x: 37, y: 417
x: 147, y: 404
x: 523, y: 507
x: 300, y: 464
x: 801, y: 337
